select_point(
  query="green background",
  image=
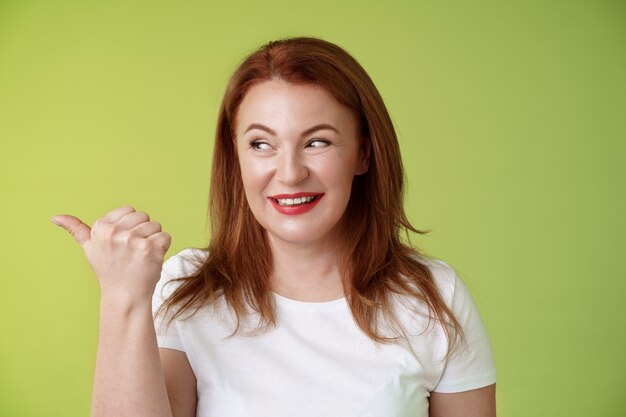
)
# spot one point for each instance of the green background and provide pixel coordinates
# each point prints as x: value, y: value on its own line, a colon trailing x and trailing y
x: 512, y: 121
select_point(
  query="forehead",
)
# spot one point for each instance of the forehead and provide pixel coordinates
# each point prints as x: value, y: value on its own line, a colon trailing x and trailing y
x: 285, y: 106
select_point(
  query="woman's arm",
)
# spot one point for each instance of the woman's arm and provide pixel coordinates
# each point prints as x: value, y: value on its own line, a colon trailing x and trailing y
x: 180, y: 381
x: 129, y: 380
x: 479, y: 402
x: 126, y: 250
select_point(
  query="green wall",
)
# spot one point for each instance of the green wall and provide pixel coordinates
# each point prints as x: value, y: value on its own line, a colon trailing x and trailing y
x: 512, y: 120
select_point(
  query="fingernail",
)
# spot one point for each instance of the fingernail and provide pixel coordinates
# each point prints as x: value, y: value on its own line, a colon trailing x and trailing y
x: 54, y: 221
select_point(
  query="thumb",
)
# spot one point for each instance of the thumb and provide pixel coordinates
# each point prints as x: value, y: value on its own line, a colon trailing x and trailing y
x: 78, y: 229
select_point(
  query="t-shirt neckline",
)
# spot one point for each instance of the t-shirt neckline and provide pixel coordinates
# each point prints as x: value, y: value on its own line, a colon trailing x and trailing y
x: 292, y: 304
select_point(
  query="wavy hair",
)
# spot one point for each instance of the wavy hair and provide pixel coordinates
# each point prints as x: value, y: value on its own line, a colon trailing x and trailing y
x: 374, y: 263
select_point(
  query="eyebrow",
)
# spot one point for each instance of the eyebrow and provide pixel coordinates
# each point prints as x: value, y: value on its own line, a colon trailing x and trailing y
x: 305, y: 133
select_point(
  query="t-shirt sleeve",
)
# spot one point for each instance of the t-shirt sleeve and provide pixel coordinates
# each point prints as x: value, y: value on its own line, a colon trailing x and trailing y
x: 471, y: 364
x: 176, y: 266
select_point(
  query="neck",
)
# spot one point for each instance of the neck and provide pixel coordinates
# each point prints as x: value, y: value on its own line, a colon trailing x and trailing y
x: 305, y: 272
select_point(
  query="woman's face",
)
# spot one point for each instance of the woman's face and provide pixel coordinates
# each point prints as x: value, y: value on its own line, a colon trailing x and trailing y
x: 299, y: 152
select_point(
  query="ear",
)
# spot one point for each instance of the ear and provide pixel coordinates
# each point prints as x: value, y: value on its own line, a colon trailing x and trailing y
x: 364, y: 156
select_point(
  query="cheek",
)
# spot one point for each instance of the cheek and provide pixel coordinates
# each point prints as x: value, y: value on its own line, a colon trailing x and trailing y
x: 246, y: 175
x: 253, y: 175
x: 337, y: 173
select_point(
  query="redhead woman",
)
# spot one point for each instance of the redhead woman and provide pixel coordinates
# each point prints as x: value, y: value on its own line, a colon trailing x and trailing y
x: 306, y: 302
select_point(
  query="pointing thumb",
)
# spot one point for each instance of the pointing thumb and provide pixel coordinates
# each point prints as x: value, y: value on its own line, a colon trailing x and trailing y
x: 79, y: 230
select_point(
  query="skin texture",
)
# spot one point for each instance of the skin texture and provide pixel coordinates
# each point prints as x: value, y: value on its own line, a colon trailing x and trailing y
x: 288, y: 161
x: 180, y: 381
x: 323, y: 161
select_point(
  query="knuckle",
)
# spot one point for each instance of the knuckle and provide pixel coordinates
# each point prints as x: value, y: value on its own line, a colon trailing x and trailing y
x: 143, y: 246
x: 98, y: 224
x: 122, y: 238
x: 107, y: 232
x: 127, y: 238
x: 112, y: 231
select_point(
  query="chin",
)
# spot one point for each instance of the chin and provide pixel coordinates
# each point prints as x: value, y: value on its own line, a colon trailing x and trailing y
x: 299, y: 237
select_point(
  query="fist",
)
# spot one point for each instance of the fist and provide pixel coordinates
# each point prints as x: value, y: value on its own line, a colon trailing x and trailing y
x: 124, y: 248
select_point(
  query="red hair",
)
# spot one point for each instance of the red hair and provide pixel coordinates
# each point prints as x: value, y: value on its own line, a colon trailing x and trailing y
x: 374, y: 262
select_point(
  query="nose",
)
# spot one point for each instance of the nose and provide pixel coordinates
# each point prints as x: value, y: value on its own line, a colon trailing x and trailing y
x: 291, y: 168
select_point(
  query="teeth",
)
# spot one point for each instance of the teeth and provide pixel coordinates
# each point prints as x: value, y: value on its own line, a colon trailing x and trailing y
x: 294, y: 201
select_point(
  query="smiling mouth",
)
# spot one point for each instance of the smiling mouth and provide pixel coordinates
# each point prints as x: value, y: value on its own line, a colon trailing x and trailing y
x: 298, y: 201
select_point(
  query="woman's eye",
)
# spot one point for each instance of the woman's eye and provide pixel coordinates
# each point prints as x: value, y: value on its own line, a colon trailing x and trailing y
x: 260, y: 145
x: 318, y: 143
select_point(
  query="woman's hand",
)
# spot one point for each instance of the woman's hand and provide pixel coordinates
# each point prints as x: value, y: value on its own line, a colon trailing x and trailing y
x: 125, y: 250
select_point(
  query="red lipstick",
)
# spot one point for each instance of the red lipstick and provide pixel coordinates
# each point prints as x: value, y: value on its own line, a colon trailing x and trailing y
x: 295, y: 208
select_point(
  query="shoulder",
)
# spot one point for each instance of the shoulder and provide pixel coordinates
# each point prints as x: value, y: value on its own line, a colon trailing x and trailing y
x: 452, y: 289
x: 415, y: 309
x: 444, y: 276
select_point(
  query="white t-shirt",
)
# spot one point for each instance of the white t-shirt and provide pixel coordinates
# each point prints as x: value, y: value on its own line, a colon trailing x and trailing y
x: 317, y: 362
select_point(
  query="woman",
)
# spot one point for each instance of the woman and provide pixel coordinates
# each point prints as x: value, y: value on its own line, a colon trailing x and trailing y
x: 305, y: 302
